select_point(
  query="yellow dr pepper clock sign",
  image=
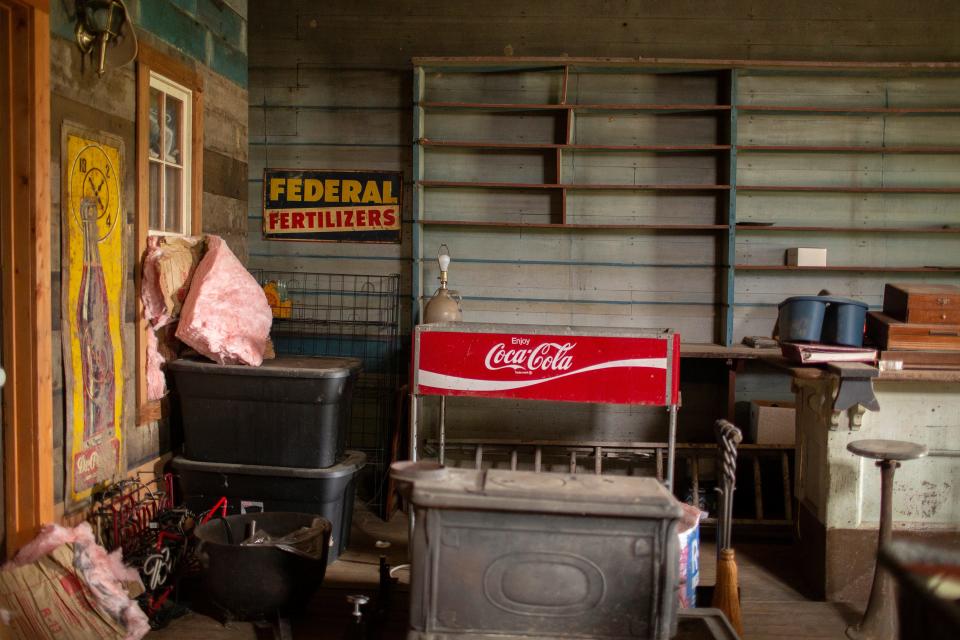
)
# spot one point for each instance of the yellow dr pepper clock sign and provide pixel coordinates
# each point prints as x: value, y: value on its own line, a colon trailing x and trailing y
x: 92, y: 309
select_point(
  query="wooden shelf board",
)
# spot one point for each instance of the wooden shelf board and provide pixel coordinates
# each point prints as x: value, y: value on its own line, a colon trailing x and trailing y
x: 489, y: 185
x: 664, y: 148
x: 692, y: 228
x: 572, y: 186
x: 849, y: 110
x: 848, y: 189
x: 777, y: 267
x: 469, y: 63
x: 529, y: 106
x: 749, y: 228
x: 848, y: 149
x: 469, y: 144
x: 495, y: 106
x: 649, y: 187
x: 676, y: 108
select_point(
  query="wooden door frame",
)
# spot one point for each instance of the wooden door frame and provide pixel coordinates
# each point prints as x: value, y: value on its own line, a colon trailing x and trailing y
x: 26, y: 279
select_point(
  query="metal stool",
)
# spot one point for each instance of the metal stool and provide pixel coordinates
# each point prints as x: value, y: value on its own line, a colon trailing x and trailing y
x: 880, y: 620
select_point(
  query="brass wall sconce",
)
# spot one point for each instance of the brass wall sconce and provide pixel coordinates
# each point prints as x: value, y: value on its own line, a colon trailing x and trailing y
x: 98, y: 23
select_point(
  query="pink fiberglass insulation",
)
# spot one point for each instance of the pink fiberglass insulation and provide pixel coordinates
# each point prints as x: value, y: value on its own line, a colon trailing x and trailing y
x: 103, y: 573
x: 50, y: 537
x: 168, y: 267
x: 226, y: 316
x: 156, y: 381
x: 98, y: 569
x: 154, y: 309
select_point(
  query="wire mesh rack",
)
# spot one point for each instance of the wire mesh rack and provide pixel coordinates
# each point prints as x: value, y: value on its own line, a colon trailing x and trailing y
x: 347, y: 315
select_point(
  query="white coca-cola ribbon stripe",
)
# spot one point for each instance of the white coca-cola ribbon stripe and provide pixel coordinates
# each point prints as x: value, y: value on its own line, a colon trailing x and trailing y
x: 456, y: 383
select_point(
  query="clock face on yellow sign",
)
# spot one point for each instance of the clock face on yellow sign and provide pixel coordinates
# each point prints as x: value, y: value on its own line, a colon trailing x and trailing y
x: 93, y: 181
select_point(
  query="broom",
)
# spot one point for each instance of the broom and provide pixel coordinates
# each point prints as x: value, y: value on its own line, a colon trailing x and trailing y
x: 726, y: 593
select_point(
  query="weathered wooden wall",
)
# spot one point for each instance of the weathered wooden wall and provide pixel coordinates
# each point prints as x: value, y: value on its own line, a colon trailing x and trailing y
x: 331, y: 88
x: 330, y: 84
x: 210, y: 37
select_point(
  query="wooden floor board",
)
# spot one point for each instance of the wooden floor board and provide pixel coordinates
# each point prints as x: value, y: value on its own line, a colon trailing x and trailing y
x: 774, y: 601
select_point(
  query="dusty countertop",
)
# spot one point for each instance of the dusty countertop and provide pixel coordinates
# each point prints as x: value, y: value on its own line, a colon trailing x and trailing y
x: 739, y: 351
x: 809, y: 372
x: 820, y: 371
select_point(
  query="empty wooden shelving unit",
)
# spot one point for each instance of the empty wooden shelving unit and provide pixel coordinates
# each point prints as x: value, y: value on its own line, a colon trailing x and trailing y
x: 666, y: 192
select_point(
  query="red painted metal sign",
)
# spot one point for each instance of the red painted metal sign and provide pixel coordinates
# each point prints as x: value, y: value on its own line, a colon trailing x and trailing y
x: 575, y: 368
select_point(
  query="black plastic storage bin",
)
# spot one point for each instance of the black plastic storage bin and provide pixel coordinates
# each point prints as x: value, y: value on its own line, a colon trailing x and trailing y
x: 325, y: 492
x: 289, y: 412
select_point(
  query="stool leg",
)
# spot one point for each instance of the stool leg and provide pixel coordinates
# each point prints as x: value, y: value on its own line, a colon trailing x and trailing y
x: 880, y: 620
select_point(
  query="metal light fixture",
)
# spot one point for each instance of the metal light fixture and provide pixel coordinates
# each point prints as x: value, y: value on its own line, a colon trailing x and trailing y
x: 444, y: 306
x: 99, y: 22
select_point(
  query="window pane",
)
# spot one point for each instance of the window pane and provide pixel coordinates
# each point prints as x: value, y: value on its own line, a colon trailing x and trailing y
x: 172, y: 130
x: 174, y: 190
x: 155, y: 220
x: 155, y: 97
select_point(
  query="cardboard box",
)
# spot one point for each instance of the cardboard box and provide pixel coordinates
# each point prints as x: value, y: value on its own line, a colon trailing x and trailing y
x: 48, y: 601
x: 806, y: 257
x: 772, y: 422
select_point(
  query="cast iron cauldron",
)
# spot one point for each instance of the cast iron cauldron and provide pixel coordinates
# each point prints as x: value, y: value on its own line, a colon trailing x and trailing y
x: 251, y: 581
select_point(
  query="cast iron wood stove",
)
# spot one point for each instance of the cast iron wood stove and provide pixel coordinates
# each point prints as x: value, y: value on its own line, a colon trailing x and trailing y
x: 514, y: 554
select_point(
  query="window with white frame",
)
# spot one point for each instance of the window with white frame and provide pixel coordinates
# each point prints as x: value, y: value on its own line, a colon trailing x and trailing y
x: 169, y: 155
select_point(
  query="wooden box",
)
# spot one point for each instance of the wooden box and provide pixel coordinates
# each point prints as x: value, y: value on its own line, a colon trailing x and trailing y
x: 922, y: 303
x: 806, y: 257
x: 890, y: 333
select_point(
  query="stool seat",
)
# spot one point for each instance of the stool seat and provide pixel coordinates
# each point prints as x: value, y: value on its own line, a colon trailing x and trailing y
x: 887, y: 449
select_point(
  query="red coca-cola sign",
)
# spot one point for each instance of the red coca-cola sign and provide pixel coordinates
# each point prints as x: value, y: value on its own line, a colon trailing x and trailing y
x: 579, y: 368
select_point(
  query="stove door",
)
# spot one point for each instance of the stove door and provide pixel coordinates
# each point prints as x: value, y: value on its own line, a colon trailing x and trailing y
x: 556, y: 575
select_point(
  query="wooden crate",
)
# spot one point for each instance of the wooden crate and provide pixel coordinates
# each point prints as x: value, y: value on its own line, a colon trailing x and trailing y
x: 922, y: 303
x: 890, y: 333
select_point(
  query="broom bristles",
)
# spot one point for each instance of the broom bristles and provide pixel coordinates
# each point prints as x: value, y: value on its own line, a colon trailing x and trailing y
x: 726, y: 595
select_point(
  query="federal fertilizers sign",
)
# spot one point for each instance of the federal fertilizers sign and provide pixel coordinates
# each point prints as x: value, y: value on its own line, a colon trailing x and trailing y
x: 331, y: 206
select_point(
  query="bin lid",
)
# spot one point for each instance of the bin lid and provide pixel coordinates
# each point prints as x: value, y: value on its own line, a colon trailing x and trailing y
x: 352, y: 462
x: 823, y: 300
x: 556, y: 493
x: 279, y: 367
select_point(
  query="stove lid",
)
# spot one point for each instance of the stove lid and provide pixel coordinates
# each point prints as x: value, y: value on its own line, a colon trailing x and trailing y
x: 580, y: 494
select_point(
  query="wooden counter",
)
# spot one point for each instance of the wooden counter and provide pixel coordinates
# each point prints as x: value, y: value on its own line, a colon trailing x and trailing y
x: 838, y: 492
x: 737, y: 352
